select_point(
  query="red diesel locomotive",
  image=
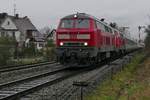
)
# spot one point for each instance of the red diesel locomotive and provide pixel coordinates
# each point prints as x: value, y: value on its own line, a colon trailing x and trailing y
x: 84, y: 39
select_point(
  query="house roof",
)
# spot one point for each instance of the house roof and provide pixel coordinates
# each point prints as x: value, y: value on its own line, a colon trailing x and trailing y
x: 1, y: 20
x: 0, y: 28
x: 22, y: 23
x: 2, y: 17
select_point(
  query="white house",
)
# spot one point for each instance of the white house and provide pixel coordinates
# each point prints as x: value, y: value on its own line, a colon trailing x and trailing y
x: 20, y: 28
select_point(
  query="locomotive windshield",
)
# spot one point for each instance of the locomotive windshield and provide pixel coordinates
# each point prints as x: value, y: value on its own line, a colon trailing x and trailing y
x: 75, y: 23
x: 82, y: 23
x: 67, y: 23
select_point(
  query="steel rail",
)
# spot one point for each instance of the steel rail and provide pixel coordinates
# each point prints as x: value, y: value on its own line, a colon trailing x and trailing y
x: 26, y: 80
x: 35, y: 88
x: 13, y: 68
x: 9, y: 66
x: 32, y: 77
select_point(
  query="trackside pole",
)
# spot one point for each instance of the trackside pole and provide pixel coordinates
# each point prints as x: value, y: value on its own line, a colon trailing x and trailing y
x: 81, y: 85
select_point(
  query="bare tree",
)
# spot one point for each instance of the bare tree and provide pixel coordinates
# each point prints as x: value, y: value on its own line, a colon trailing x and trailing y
x: 45, y: 30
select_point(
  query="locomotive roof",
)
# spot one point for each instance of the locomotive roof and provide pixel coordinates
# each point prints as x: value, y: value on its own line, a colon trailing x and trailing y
x: 84, y: 15
x: 79, y: 15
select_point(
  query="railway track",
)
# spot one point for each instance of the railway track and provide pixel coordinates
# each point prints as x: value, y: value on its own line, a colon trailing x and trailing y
x: 17, y: 89
x: 11, y: 90
x: 20, y: 67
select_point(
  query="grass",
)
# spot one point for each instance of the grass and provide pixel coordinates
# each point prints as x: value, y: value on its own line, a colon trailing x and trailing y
x: 26, y: 61
x: 123, y: 86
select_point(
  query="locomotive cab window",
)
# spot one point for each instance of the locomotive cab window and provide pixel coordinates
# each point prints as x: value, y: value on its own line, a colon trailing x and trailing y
x: 79, y: 23
x: 82, y: 23
x: 67, y: 23
x: 107, y: 29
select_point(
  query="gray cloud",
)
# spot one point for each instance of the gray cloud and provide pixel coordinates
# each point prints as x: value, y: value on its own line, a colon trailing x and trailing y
x: 48, y: 12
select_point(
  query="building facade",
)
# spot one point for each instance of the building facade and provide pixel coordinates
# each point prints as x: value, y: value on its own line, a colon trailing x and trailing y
x: 20, y: 28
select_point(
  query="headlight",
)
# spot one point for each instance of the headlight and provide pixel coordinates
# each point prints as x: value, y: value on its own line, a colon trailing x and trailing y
x: 61, y: 43
x: 85, y: 43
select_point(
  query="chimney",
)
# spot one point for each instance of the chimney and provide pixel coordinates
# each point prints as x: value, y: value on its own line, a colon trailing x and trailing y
x: 17, y: 15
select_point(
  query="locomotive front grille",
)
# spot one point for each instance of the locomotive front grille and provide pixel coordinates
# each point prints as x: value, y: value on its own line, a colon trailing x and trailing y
x: 83, y: 36
x: 74, y: 36
x: 74, y: 44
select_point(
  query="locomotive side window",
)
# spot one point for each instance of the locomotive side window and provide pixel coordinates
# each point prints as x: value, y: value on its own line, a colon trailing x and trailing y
x: 110, y: 30
x: 107, y: 29
x: 121, y: 35
x: 67, y: 23
x: 115, y: 31
x: 100, y: 26
x: 82, y: 23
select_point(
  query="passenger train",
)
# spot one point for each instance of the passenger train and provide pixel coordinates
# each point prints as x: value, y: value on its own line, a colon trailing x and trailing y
x: 84, y: 39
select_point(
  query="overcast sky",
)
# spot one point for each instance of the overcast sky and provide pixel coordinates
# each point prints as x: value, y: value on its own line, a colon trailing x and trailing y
x: 42, y: 13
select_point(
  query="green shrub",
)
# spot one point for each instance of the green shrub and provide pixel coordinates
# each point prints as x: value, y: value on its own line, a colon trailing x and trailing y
x: 49, y: 53
x: 50, y: 43
x: 6, y: 49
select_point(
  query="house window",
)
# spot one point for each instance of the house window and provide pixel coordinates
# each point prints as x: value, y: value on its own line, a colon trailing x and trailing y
x: 13, y: 34
x: 29, y: 34
x: 40, y: 45
x: 2, y: 34
x: 8, y: 23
